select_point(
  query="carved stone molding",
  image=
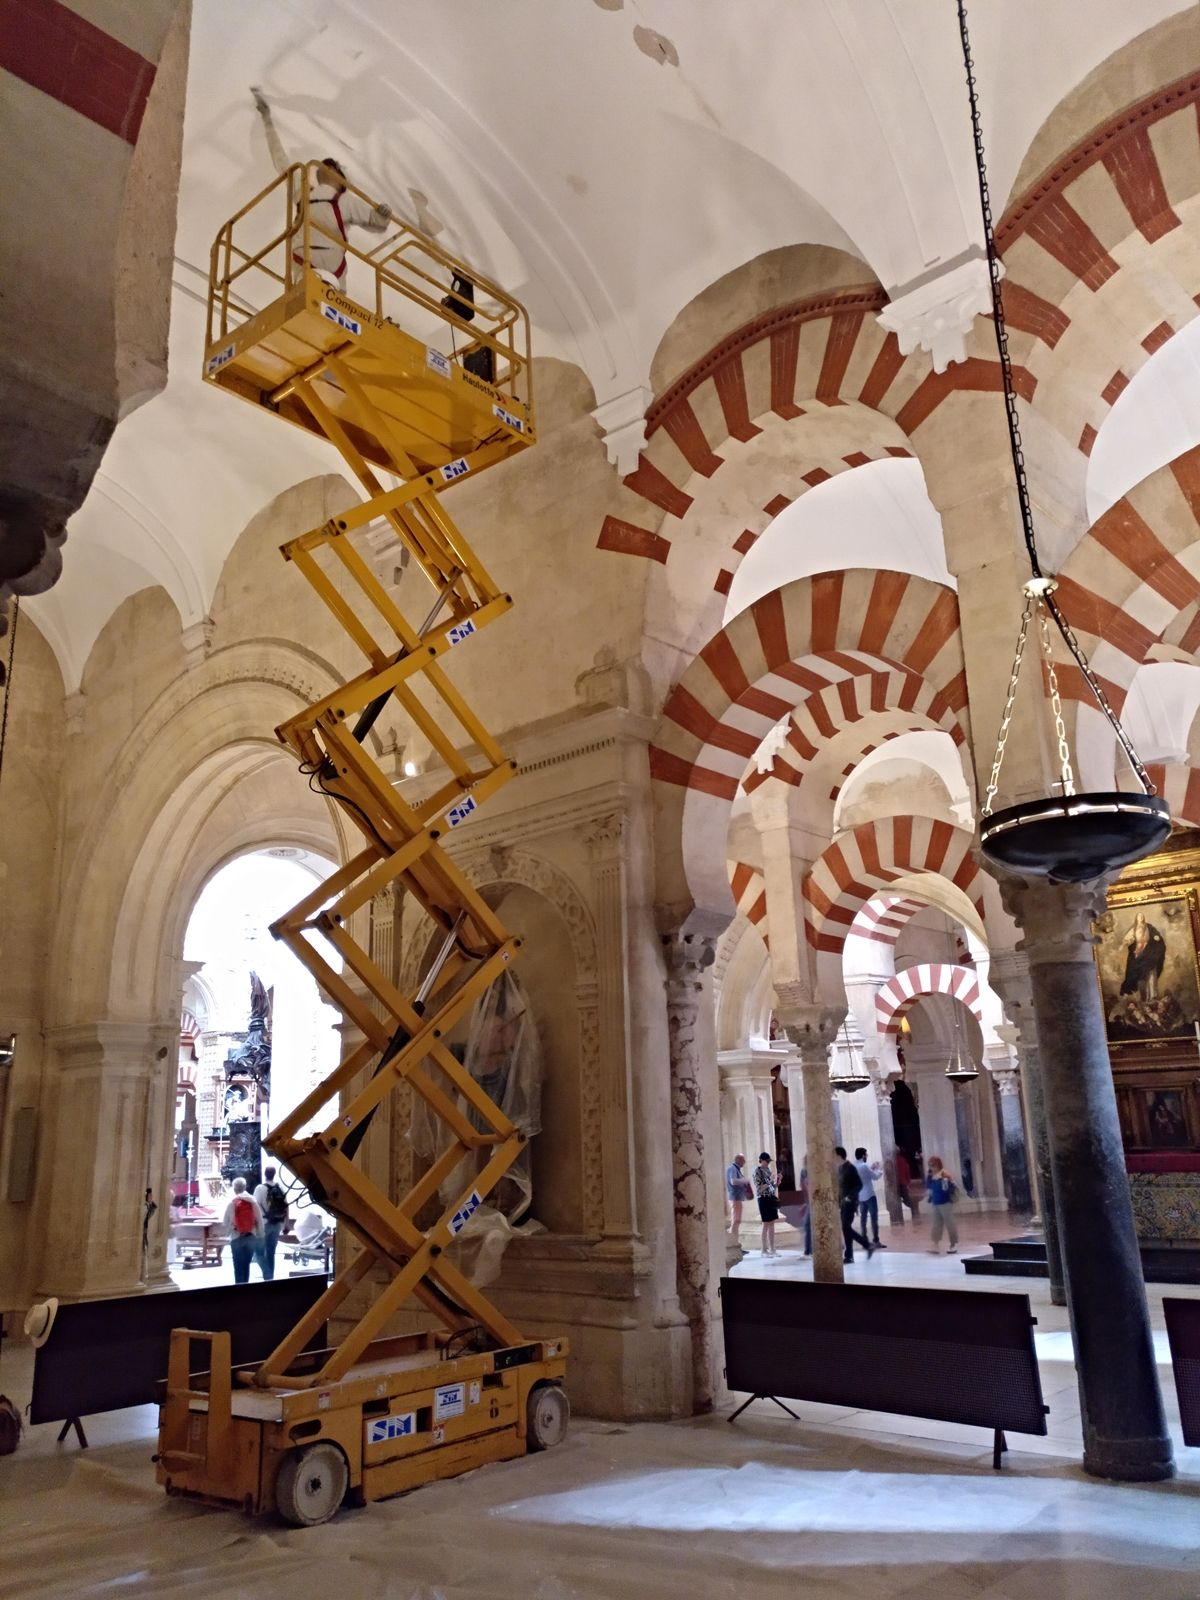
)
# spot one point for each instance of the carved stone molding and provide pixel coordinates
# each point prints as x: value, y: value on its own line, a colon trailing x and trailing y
x: 623, y: 422
x: 603, y: 835
x: 938, y: 313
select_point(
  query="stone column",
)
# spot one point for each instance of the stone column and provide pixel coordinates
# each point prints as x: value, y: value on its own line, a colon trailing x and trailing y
x: 1009, y: 976
x: 881, y: 1093
x: 747, y: 1124
x: 603, y: 838
x: 812, y: 1029
x: 687, y: 958
x: 105, y: 1146
x: 1124, y: 1428
x: 1012, y: 1139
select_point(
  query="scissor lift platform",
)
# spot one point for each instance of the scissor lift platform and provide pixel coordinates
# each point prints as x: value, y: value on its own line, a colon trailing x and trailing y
x: 374, y: 1416
x: 436, y: 411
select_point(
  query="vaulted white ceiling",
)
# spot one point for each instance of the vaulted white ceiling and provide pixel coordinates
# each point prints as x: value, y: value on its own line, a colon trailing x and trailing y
x: 605, y: 159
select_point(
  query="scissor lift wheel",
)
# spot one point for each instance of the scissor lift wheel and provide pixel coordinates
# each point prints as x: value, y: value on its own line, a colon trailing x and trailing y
x: 547, y: 1415
x: 311, y: 1484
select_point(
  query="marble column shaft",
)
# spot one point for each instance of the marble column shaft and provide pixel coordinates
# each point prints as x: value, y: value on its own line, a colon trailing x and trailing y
x: 1012, y: 1141
x: 1009, y: 976
x: 1124, y: 1427
x: 687, y: 957
x: 812, y: 1030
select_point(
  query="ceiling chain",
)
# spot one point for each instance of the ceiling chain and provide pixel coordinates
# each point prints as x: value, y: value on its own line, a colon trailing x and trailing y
x: 1014, y: 429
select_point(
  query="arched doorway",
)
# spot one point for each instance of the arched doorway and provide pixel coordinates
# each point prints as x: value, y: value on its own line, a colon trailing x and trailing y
x: 260, y: 1036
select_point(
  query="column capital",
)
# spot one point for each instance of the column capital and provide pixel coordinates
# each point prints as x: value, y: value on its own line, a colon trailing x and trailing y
x: 622, y: 420
x: 688, y: 956
x: 811, y: 1028
x: 1007, y: 1079
x: 602, y: 836
x: 1055, y: 918
x: 937, y: 311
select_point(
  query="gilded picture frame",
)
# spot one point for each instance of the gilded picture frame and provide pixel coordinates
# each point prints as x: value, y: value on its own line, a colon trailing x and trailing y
x: 1148, y: 967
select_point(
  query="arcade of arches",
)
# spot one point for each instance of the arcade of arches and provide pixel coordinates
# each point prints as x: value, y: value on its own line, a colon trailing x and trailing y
x: 766, y: 564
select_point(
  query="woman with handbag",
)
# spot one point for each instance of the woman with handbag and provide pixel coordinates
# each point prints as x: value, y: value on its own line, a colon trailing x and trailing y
x: 942, y: 1191
x: 766, y: 1191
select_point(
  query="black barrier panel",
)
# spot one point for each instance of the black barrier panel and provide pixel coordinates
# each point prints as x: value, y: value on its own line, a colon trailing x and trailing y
x: 948, y: 1354
x: 1183, y: 1335
x: 103, y: 1355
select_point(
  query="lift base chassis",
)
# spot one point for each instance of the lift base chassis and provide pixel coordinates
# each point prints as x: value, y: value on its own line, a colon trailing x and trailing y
x: 402, y: 1417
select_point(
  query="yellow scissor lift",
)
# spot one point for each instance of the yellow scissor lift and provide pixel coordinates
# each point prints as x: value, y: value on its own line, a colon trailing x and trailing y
x: 377, y: 1416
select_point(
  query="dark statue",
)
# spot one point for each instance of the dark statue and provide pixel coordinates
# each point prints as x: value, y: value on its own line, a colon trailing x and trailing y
x: 248, y: 1088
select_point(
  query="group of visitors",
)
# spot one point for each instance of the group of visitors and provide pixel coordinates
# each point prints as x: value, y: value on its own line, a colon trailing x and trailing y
x: 857, y: 1201
x: 254, y: 1223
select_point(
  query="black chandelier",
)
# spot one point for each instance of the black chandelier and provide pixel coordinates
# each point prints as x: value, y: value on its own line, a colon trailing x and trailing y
x: 1068, y: 837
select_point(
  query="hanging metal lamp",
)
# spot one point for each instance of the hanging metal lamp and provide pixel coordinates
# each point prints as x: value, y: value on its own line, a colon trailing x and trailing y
x: 855, y: 1076
x: 1068, y: 837
x: 961, y: 1068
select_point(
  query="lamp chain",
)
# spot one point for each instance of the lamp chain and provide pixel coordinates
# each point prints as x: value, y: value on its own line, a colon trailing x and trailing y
x: 1064, y: 753
x: 1006, y: 717
x: 1014, y: 425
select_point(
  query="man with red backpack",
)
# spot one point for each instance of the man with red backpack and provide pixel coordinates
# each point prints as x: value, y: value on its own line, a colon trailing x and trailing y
x: 244, y: 1222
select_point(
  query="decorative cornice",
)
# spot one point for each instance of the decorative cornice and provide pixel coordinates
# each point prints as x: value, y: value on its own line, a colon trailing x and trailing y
x: 865, y: 300
x: 1091, y: 149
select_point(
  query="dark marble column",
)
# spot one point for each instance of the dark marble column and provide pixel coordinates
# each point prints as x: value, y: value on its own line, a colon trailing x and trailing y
x: 1013, y: 1158
x: 1009, y: 976
x: 687, y: 956
x: 882, y: 1090
x: 1124, y: 1428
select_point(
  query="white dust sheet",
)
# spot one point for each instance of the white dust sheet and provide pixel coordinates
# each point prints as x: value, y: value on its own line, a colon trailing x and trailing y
x: 685, y: 1511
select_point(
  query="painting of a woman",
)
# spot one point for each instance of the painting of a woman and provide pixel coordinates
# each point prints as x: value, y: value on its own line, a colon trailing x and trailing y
x: 1145, y: 955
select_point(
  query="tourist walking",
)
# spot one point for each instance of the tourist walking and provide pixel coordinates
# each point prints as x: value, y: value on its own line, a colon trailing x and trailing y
x: 272, y: 1202
x: 904, y: 1185
x: 244, y: 1222
x: 849, y: 1189
x: 868, y: 1202
x: 766, y: 1192
x: 942, y: 1191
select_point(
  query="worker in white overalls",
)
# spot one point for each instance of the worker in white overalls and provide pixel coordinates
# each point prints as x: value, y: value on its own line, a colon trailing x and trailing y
x: 333, y: 207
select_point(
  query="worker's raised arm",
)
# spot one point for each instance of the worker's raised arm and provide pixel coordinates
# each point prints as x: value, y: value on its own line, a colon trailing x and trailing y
x: 274, y: 143
x: 361, y: 215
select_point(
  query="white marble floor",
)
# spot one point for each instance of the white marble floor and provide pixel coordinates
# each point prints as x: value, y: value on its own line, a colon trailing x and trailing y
x: 842, y: 1504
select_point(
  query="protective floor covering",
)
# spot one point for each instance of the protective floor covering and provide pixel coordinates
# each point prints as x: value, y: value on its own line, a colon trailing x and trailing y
x: 685, y: 1511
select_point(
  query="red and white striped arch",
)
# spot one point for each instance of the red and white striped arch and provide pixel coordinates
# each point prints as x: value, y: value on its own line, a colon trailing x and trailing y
x: 1130, y: 577
x: 750, y: 896
x: 860, y: 862
x: 885, y: 918
x: 821, y: 351
x: 887, y: 687
x: 1110, y: 209
x: 754, y: 672
x: 901, y: 991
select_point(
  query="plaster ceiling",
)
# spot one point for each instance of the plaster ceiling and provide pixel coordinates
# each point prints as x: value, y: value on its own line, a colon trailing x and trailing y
x: 1155, y: 419
x: 879, y: 515
x: 605, y: 161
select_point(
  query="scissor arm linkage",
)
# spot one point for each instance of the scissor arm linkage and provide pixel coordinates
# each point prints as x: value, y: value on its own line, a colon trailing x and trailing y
x: 404, y: 1037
